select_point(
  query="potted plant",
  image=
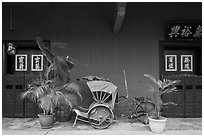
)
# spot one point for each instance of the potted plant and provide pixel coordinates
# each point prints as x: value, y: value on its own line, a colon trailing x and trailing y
x: 157, y: 123
x: 39, y: 91
x: 48, y: 96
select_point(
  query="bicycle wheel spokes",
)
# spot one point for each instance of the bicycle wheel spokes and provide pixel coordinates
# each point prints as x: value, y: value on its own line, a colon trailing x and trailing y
x: 143, y: 110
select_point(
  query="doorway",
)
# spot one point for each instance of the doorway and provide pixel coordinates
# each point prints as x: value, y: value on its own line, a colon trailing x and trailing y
x: 182, y: 60
x: 16, y: 77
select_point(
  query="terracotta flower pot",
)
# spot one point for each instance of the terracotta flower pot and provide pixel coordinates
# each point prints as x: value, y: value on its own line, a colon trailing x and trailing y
x: 157, y: 125
x: 46, y: 121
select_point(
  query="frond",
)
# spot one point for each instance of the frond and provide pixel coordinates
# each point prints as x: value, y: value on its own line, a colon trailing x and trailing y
x: 29, y: 94
x: 46, y: 103
x: 169, y: 88
x: 41, y: 91
x: 160, y: 84
x: 169, y: 83
x: 73, y: 88
x: 58, y: 98
x: 174, y: 89
x: 151, y: 77
x: 151, y: 89
x: 71, y: 100
x: 34, y: 93
x: 49, y: 71
x: 168, y: 103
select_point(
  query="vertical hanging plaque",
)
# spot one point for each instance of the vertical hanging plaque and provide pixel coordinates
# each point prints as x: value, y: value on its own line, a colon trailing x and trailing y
x: 170, y: 63
x: 186, y: 62
x: 37, y: 63
x: 21, y: 62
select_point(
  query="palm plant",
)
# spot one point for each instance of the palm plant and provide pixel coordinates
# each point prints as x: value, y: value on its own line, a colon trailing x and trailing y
x: 48, y: 96
x: 164, y: 86
x: 38, y: 91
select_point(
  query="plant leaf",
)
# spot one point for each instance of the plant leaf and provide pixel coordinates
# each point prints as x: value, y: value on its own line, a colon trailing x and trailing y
x: 168, y: 103
x: 170, y: 83
x: 151, y: 89
x: 73, y: 88
x: 151, y: 77
x: 160, y: 84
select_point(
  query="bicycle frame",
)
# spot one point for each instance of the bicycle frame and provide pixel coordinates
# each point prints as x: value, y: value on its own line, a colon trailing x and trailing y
x: 141, y: 108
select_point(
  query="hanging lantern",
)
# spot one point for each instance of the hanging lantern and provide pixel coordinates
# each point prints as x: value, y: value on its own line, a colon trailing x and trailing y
x: 11, y: 49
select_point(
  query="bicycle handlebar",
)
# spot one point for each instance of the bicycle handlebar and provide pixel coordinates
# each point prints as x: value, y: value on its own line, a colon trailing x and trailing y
x: 123, y: 97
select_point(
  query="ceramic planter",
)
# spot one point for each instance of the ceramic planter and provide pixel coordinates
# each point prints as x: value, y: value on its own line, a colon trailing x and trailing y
x: 46, y: 121
x: 157, y: 125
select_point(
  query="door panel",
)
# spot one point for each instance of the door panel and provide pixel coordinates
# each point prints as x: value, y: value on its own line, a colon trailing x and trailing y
x: 179, y: 96
x: 176, y: 97
x: 189, y: 96
x: 198, y: 97
x: 8, y: 95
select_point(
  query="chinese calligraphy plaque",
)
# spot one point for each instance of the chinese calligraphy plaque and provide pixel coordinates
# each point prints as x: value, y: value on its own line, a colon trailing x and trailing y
x: 191, y: 31
x: 21, y: 62
x: 170, y: 63
x: 186, y: 63
x: 37, y: 63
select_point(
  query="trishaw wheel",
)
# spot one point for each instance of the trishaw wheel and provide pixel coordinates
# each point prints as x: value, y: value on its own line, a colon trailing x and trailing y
x: 100, y: 117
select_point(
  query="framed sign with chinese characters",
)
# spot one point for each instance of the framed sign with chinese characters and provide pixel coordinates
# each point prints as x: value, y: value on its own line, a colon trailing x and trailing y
x: 192, y: 31
x: 170, y: 63
x: 186, y: 62
x: 37, y: 63
x: 20, y: 62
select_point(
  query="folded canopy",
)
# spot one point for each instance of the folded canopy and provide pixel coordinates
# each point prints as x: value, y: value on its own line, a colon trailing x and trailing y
x: 104, y: 86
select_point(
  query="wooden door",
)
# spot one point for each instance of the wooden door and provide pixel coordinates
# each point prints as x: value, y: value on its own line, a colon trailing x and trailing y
x: 185, y: 63
x: 16, y: 80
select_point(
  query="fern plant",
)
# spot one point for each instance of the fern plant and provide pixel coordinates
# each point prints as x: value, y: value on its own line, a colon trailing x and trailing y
x: 163, y: 86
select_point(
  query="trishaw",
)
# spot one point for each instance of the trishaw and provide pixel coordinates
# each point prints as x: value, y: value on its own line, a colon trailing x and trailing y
x: 100, y: 113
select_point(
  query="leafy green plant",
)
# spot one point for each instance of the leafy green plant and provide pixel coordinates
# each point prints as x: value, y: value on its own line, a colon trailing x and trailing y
x: 163, y: 86
x: 48, y: 96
